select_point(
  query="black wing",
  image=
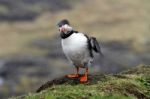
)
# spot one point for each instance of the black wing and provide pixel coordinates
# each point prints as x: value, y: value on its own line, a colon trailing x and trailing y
x: 95, y: 45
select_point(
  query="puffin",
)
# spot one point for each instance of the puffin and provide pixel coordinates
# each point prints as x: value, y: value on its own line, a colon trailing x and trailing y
x: 78, y: 48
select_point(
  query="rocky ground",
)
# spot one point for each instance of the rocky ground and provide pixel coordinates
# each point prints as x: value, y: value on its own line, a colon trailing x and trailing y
x: 131, y: 84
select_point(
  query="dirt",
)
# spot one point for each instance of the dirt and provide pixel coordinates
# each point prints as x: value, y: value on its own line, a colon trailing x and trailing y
x: 92, y: 79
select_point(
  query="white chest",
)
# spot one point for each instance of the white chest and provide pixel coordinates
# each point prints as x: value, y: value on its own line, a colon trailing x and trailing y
x: 75, y: 46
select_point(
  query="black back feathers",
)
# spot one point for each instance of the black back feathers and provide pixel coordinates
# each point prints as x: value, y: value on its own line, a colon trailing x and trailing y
x: 63, y: 22
x: 95, y: 45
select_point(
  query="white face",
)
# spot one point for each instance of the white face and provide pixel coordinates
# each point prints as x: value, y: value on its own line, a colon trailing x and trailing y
x: 65, y: 28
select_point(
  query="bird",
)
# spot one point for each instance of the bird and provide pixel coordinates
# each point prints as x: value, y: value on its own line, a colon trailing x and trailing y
x: 78, y: 48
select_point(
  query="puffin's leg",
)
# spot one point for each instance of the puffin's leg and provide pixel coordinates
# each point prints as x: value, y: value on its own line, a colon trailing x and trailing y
x: 84, y: 78
x: 74, y: 75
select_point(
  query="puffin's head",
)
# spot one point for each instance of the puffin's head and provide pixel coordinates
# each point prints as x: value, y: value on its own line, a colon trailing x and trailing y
x: 64, y: 26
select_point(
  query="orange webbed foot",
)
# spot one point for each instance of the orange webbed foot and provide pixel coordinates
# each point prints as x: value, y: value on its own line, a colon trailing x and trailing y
x: 84, y: 79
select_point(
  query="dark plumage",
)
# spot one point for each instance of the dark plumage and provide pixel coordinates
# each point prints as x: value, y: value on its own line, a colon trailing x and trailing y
x: 95, y: 45
x: 63, y: 22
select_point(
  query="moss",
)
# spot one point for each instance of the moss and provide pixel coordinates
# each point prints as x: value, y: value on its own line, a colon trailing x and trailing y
x: 132, y: 84
x: 142, y: 69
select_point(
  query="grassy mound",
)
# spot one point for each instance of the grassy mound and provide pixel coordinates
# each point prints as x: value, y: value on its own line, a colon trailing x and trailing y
x: 131, y: 84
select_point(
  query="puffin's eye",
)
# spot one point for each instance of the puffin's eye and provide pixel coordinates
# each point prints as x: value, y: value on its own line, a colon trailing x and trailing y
x: 59, y: 25
x: 59, y: 29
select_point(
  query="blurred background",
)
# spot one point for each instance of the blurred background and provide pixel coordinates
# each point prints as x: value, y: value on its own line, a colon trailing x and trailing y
x: 30, y: 48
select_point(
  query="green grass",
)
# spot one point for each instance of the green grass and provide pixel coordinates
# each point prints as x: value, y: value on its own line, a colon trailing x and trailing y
x: 126, y: 85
